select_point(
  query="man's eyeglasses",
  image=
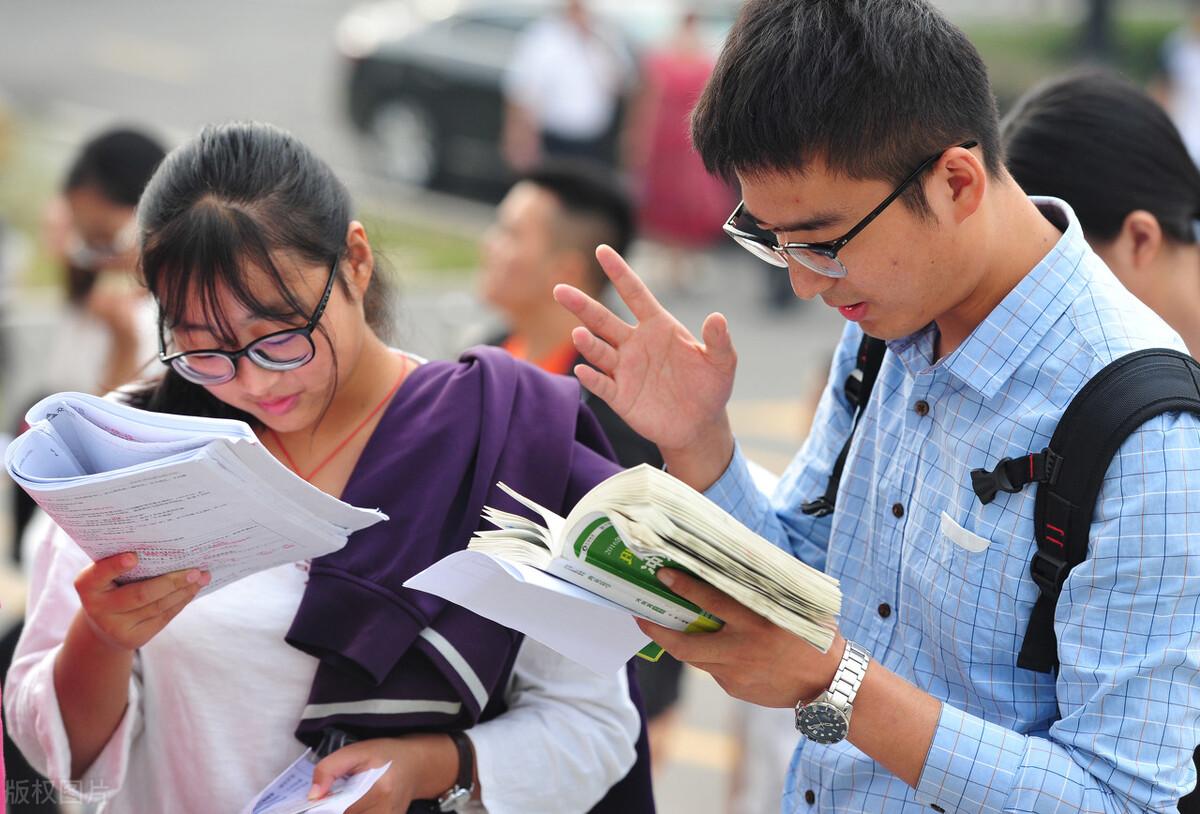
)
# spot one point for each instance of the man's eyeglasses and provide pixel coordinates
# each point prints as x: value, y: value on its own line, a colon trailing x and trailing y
x: 283, y: 350
x: 819, y: 257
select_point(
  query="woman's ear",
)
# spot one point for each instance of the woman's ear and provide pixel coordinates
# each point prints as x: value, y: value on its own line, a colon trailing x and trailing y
x: 360, y: 260
x: 1140, y: 240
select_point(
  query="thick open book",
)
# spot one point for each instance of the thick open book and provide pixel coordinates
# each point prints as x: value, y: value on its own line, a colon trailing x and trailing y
x: 572, y: 583
x: 180, y: 491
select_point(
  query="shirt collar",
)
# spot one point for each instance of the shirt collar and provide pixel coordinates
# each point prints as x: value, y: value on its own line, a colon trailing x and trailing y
x: 990, y: 355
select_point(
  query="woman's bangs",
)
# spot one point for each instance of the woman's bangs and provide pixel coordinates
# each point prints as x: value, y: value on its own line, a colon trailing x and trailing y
x: 205, y: 255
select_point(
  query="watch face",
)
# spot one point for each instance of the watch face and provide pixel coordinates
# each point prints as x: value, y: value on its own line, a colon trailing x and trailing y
x: 822, y: 723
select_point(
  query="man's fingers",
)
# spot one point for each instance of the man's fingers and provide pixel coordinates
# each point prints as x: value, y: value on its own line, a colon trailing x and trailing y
x: 629, y: 286
x: 597, y: 383
x: 701, y: 593
x: 689, y: 647
x: 598, y: 319
x: 598, y: 353
x: 717, y: 341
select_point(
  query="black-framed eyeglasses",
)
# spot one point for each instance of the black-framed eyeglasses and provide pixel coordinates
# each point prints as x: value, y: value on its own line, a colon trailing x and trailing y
x: 283, y: 350
x: 819, y: 257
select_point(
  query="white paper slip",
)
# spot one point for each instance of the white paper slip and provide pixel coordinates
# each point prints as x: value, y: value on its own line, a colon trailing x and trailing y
x: 288, y: 793
x: 586, y: 628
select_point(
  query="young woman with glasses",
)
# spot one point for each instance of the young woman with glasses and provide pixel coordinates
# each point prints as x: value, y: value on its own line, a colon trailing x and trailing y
x: 272, y: 312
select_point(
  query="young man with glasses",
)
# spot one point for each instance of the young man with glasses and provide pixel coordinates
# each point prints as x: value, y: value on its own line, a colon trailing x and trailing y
x: 864, y: 135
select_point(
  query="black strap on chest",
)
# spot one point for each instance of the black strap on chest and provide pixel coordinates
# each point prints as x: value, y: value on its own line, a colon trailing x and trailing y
x: 858, y: 388
x: 1120, y: 398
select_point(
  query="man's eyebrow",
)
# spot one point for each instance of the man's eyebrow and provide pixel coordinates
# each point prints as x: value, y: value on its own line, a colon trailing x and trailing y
x: 822, y: 220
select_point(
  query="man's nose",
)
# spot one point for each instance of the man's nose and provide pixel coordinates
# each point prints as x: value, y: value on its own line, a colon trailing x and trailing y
x: 806, y: 283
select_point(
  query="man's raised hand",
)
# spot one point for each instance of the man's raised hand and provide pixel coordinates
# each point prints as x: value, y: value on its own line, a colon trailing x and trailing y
x: 669, y: 387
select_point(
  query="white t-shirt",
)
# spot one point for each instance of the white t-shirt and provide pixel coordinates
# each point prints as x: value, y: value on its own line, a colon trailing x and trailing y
x: 569, y: 79
x: 215, y: 698
x: 1181, y: 55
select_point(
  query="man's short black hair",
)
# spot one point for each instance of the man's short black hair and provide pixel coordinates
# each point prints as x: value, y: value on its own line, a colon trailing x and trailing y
x: 871, y: 87
x: 594, y: 198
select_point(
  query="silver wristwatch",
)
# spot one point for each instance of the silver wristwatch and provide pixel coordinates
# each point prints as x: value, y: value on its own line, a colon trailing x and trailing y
x: 826, y: 719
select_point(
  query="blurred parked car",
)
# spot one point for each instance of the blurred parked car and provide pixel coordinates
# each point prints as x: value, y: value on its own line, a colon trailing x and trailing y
x: 424, y: 78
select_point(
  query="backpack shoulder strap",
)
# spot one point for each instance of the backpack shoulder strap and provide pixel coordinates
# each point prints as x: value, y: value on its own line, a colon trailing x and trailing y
x: 1120, y: 398
x: 858, y: 386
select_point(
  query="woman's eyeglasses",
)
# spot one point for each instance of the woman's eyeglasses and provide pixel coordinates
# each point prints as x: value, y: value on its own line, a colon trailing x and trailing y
x: 283, y: 350
x: 819, y: 257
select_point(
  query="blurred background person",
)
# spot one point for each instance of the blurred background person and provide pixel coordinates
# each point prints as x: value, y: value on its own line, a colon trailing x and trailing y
x: 546, y: 231
x: 1110, y: 151
x: 1178, y: 86
x: 91, y: 229
x: 680, y: 206
x: 106, y: 336
x: 562, y: 89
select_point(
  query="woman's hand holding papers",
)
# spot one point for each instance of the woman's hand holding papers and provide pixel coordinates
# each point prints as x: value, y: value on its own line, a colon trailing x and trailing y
x: 669, y: 387
x: 92, y: 669
x: 127, y: 616
x: 423, y: 767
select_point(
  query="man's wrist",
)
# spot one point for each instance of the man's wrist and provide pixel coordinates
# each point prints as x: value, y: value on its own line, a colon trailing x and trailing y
x: 701, y: 463
x: 824, y: 674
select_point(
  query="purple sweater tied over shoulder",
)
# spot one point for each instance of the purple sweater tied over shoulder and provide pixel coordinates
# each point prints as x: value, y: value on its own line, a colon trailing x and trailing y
x: 394, y: 660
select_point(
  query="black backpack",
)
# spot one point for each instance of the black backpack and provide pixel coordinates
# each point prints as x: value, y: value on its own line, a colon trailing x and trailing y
x: 1068, y: 473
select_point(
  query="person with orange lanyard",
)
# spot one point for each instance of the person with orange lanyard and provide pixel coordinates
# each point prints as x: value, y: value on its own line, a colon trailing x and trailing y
x: 546, y: 231
x: 143, y: 697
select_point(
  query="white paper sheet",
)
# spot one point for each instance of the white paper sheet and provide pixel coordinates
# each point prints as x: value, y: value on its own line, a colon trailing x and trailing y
x: 586, y: 628
x: 288, y: 793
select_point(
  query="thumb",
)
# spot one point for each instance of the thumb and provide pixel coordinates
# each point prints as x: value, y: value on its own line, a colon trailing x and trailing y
x: 717, y: 341
x: 339, y: 764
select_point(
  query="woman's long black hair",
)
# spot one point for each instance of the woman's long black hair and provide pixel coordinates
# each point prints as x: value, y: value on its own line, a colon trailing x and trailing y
x: 1105, y: 147
x: 237, y: 197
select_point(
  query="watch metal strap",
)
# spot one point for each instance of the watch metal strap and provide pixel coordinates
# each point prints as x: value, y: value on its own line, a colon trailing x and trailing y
x: 848, y: 677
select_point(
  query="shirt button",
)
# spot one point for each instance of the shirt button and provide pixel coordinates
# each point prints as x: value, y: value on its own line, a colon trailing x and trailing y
x: 810, y: 796
x: 937, y: 808
x: 897, y: 510
x: 885, y: 610
x: 921, y: 408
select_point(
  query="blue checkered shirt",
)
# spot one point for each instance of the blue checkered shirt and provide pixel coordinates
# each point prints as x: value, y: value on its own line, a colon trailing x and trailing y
x: 936, y: 586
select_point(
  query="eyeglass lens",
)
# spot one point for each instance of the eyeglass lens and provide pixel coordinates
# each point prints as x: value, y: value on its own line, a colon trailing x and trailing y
x: 277, y: 352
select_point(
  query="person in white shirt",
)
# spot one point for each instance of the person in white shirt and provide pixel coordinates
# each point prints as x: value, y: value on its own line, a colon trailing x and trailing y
x: 562, y: 88
x: 1179, y: 86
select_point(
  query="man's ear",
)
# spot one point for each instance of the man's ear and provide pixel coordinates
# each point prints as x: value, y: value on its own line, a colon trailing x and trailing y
x: 959, y: 183
x: 1140, y: 239
x: 360, y: 260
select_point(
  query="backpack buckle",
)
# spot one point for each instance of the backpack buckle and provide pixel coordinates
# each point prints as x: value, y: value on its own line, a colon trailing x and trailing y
x: 1049, y: 572
x: 820, y: 507
x: 986, y: 484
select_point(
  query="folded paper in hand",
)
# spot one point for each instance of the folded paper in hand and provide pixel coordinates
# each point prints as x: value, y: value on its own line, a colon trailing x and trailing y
x: 180, y: 491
